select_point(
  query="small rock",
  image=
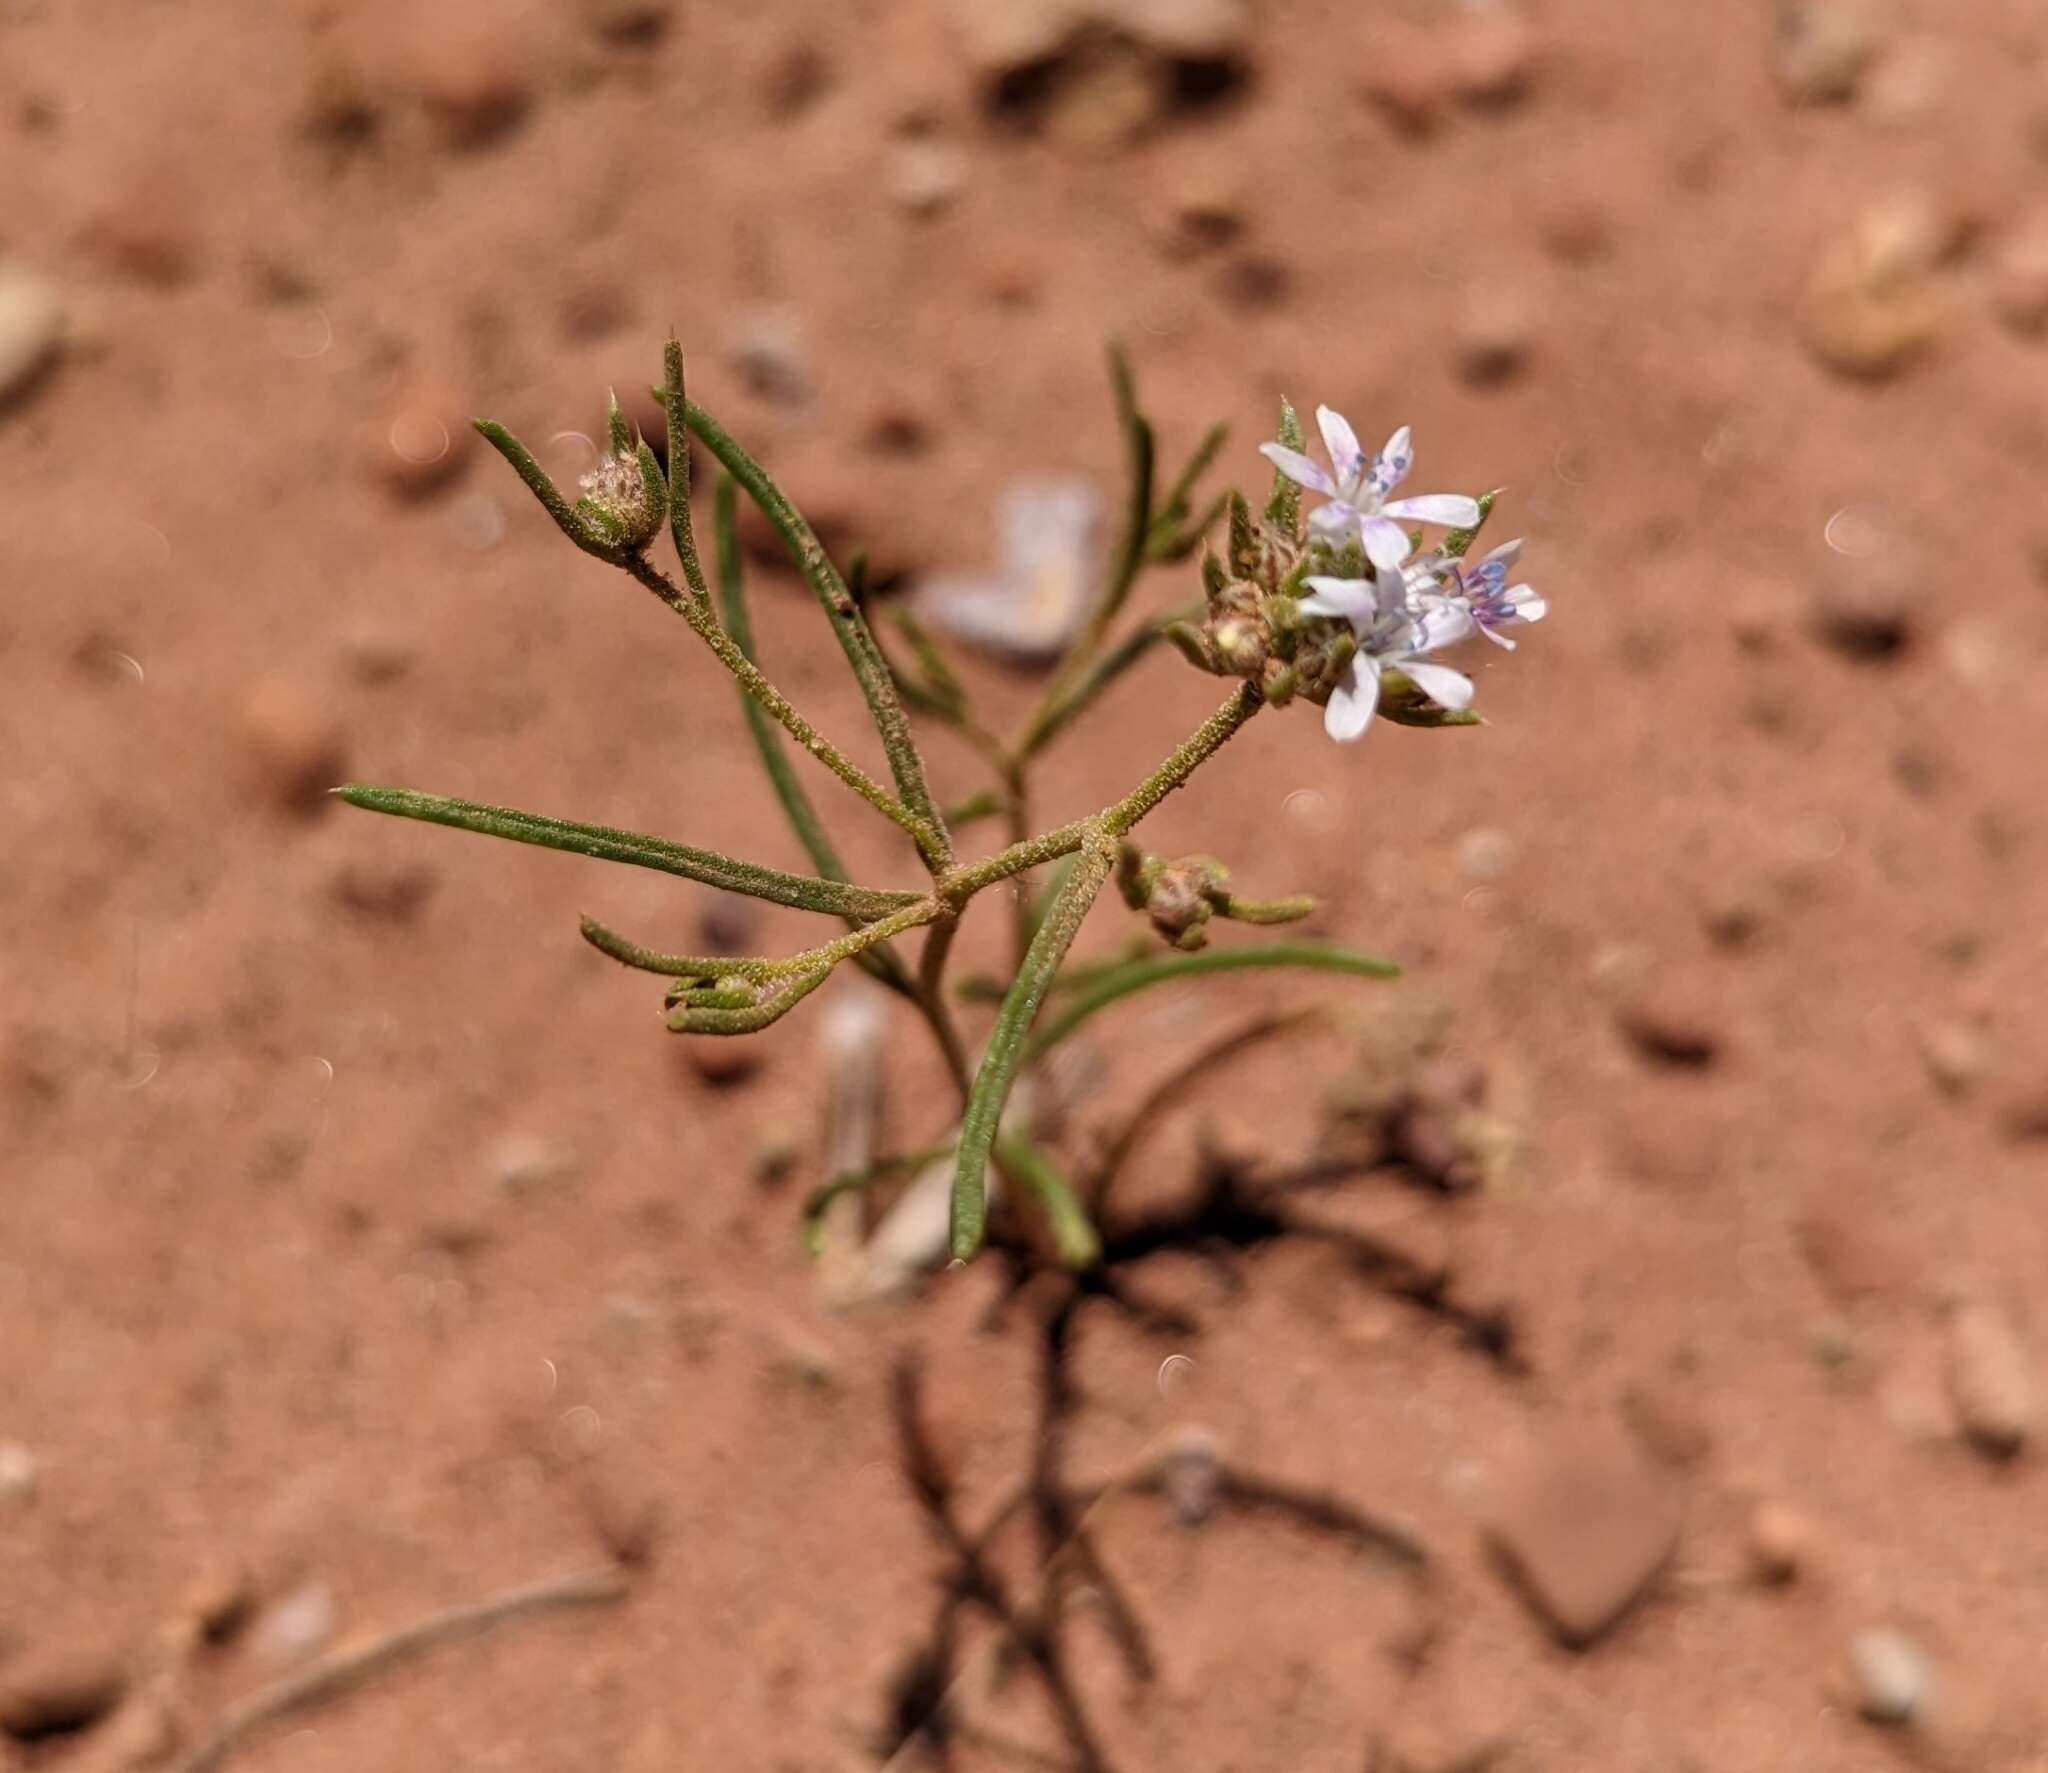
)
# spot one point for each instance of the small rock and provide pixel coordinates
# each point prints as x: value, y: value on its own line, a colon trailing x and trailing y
x: 768, y: 355
x: 1866, y: 610
x: 1485, y: 854
x: 1585, y: 1530
x: 1191, y: 1477
x: 1493, y: 337
x: 298, y: 1626
x: 623, y: 1511
x: 924, y: 174
x: 1873, y: 303
x: 1992, y: 1379
x: 142, y: 233
x: 799, y: 78
x: 721, y: 1060
x: 219, y: 1602
x: 1779, y: 1541
x: 47, y: 1691
x: 343, y: 109
x: 632, y: 24
x: 1256, y: 281
x: 1669, y: 1423
x: 2026, y: 1115
x: 1666, y: 1030
x: 525, y: 1164
x: 470, y: 85
x: 422, y: 442
x: 31, y: 330
x: 296, y: 740
x: 19, y: 1474
x: 1821, y: 49
x: 729, y: 923
x: 1095, y: 74
x: 1489, y: 56
x: 1049, y: 562
x: 1955, y: 1054
x: 1854, y: 1259
x: 390, y: 892
x: 1893, y: 1681
x: 2019, y: 277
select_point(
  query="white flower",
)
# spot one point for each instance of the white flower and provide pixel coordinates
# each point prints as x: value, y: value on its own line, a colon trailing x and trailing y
x: 1360, y: 494
x: 1396, y: 619
x: 1494, y: 603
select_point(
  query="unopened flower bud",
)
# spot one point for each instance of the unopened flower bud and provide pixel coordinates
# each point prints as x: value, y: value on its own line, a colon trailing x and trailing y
x: 625, y: 499
x: 1239, y: 644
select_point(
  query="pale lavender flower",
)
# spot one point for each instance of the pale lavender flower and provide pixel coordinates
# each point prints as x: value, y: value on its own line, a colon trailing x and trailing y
x: 1396, y: 619
x: 1360, y: 492
x: 1494, y: 603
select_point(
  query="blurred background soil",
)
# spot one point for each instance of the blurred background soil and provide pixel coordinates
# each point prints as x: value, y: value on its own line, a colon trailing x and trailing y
x: 365, y: 1244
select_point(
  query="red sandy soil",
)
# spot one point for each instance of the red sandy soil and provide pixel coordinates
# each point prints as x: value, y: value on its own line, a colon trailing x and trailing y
x: 264, y: 1301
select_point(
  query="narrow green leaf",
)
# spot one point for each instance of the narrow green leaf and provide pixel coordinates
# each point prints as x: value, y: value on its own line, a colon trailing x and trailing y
x: 549, y: 495
x: 1005, y: 1050
x: 882, y: 1170
x: 1074, y: 1235
x: 984, y: 804
x: 1112, y: 985
x: 1459, y: 542
x: 675, y: 407
x: 1099, y: 674
x: 848, y: 625
x: 1283, y: 509
x: 635, y: 848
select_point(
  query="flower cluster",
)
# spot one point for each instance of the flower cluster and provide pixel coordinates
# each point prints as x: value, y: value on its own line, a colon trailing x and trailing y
x: 1342, y: 607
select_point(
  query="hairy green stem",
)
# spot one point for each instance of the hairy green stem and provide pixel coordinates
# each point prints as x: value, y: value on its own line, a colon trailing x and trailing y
x: 851, y: 628
x: 758, y: 967
x: 882, y: 962
x: 697, y: 612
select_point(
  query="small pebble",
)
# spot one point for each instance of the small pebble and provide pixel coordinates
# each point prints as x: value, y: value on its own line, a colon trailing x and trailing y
x: 1489, y: 56
x: 1192, y: 1476
x: 470, y: 86
x: 219, y: 1602
x: 48, y: 1690
x: 390, y: 892
x: 1485, y: 854
x: 299, y: 1626
x: 1955, y: 1054
x: 1821, y: 49
x: 1873, y: 303
x: 422, y: 441
x: 632, y: 24
x: 1048, y: 565
x: 524, y: 1164
x: 296, y: 740
x: 1780, y: 1542
x: 1993, y: 1381
x: 923, y: 174
x: 1585, y: 1530
x: 768, y: 355
x: 19, y: 1474
x: 2019, y: 277
x: 142, y: 233
x: 1668, y: 1031
x: 1866, y: 610
x: 1894, y: 1683
x: 1493, y: 338
x: 31, y: 329
x: 1854, y: 1257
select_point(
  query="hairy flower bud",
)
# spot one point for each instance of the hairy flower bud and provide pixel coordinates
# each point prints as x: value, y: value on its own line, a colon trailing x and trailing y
x: 625, y: 499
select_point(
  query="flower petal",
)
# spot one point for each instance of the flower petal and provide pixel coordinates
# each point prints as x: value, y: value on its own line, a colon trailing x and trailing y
x: 1505, y: 554
x: 1391, y: 465
x: 1386, y: 544
x: 1443, y: 686
x: 1345, y: 598
x: 1452, y: 510
x: 1297, y: 467
x: 1350, y: 708
x: 1527, y: 604
x: 1336, y: 520
x: 1441, y: 622
x: 1342, y: 443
